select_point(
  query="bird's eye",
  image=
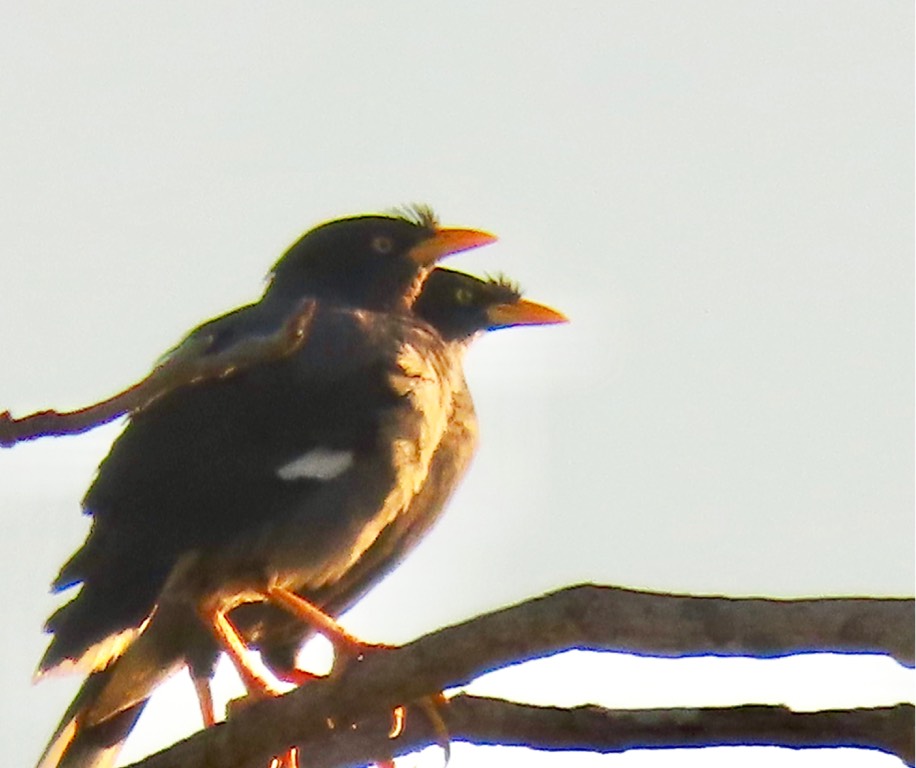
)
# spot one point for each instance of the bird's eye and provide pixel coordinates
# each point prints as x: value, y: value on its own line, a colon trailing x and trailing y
x: 382, y: 244
x: 463, y: 296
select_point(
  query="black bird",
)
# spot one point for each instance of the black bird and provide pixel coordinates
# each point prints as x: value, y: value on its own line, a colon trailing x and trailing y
x: 461, y: 307
x: 274, y: 478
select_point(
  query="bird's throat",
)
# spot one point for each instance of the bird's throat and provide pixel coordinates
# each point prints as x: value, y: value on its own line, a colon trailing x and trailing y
x: 413, y: 291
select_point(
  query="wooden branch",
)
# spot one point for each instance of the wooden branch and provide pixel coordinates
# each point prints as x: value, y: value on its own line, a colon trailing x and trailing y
x: 595, y: 729
x: 586, y: 617
x: 190, y: 363
x: 487, y: 721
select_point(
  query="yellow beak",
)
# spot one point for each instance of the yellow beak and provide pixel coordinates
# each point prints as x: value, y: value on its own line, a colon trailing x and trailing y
x: 445, y: 242
x: 523, y: 312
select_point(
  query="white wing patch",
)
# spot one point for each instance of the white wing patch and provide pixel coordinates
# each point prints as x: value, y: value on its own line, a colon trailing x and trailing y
x: 429, y: 382
x: 317, y: 464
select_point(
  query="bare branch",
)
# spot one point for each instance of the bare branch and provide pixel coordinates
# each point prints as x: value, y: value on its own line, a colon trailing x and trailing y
x: 596, y: 729
x: 585, y: 617
x: 491, y: 721
x: 189, y: 364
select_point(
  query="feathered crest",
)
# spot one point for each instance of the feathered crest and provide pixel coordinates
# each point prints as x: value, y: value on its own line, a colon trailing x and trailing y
x: 505, y: 284
x: 418, y: 214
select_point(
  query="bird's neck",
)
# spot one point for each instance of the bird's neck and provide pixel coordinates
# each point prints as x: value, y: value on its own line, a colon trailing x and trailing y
x: 413, y: 291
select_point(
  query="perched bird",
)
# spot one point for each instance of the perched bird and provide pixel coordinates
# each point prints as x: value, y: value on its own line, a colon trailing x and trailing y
x: 461, y: 307
x: 273, y: 479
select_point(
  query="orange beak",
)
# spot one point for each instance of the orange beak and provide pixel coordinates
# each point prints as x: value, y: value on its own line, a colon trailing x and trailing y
x: 445, y: 242
x: 523, y: 312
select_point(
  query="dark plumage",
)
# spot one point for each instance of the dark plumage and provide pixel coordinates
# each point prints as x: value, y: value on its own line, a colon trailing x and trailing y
x: 279, y: 475
x: 460, y: 307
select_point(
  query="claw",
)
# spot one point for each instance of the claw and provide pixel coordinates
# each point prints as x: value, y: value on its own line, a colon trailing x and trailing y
x: 432, y: 707
x: 398, y: 717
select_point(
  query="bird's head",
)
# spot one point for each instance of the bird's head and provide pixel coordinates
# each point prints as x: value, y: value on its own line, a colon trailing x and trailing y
x: 373, y: 262
x: 460, y: 306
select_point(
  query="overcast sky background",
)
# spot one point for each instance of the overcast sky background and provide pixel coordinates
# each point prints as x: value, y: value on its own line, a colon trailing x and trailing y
x: 718, y: 193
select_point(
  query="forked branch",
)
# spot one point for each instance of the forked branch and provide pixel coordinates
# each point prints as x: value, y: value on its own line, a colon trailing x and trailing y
x: 319, y: 717
x: 191, y: 363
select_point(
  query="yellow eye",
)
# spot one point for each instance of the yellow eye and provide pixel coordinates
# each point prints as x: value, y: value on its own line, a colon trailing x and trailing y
x: 382, y: 244
x: 463, y: 296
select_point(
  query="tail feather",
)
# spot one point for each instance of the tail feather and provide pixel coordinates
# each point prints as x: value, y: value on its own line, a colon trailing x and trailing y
x: 103, y: 713
x: 74, y: 745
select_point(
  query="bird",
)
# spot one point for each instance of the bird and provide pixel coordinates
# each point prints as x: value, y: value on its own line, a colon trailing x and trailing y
x: 273, y: 477
x: 461, y: 307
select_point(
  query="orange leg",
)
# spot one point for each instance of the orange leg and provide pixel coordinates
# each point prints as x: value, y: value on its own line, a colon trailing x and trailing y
x: 205, y: 700
x: 345, y: 645
x: 295, y: 676
x: 255, y: 683
x: 231, y: 642
x: 343, y: 642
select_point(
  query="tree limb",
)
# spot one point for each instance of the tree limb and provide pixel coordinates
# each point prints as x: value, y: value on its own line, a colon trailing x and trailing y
x: 586, y: 617
x: 590, y: 728
x: 190, y: 363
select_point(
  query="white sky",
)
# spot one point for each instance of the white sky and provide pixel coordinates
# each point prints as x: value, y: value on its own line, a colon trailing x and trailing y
x: 718, y: 193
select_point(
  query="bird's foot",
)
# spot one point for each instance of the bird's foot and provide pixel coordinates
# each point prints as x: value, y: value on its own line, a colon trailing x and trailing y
x: 289, y: 759
x: 233, y: 706
x: 348, y: 650
x: 349, y: 653
x: 432, y: 707
x: 296, y: 676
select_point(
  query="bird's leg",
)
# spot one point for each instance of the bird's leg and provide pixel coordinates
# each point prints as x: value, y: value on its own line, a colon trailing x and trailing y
x: 347, y: 648
x: 204, y: 700
x: 295, y: 676
x: 229, y: 639
x: 344, y: 643
x: 255, y: 683
x: 289, y: 759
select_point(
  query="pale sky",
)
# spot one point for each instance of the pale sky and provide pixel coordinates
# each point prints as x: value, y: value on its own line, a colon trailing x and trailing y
x: 719, y: 194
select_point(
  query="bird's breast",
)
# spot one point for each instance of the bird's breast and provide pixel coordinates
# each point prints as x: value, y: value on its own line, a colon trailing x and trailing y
x: 425, y: 380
